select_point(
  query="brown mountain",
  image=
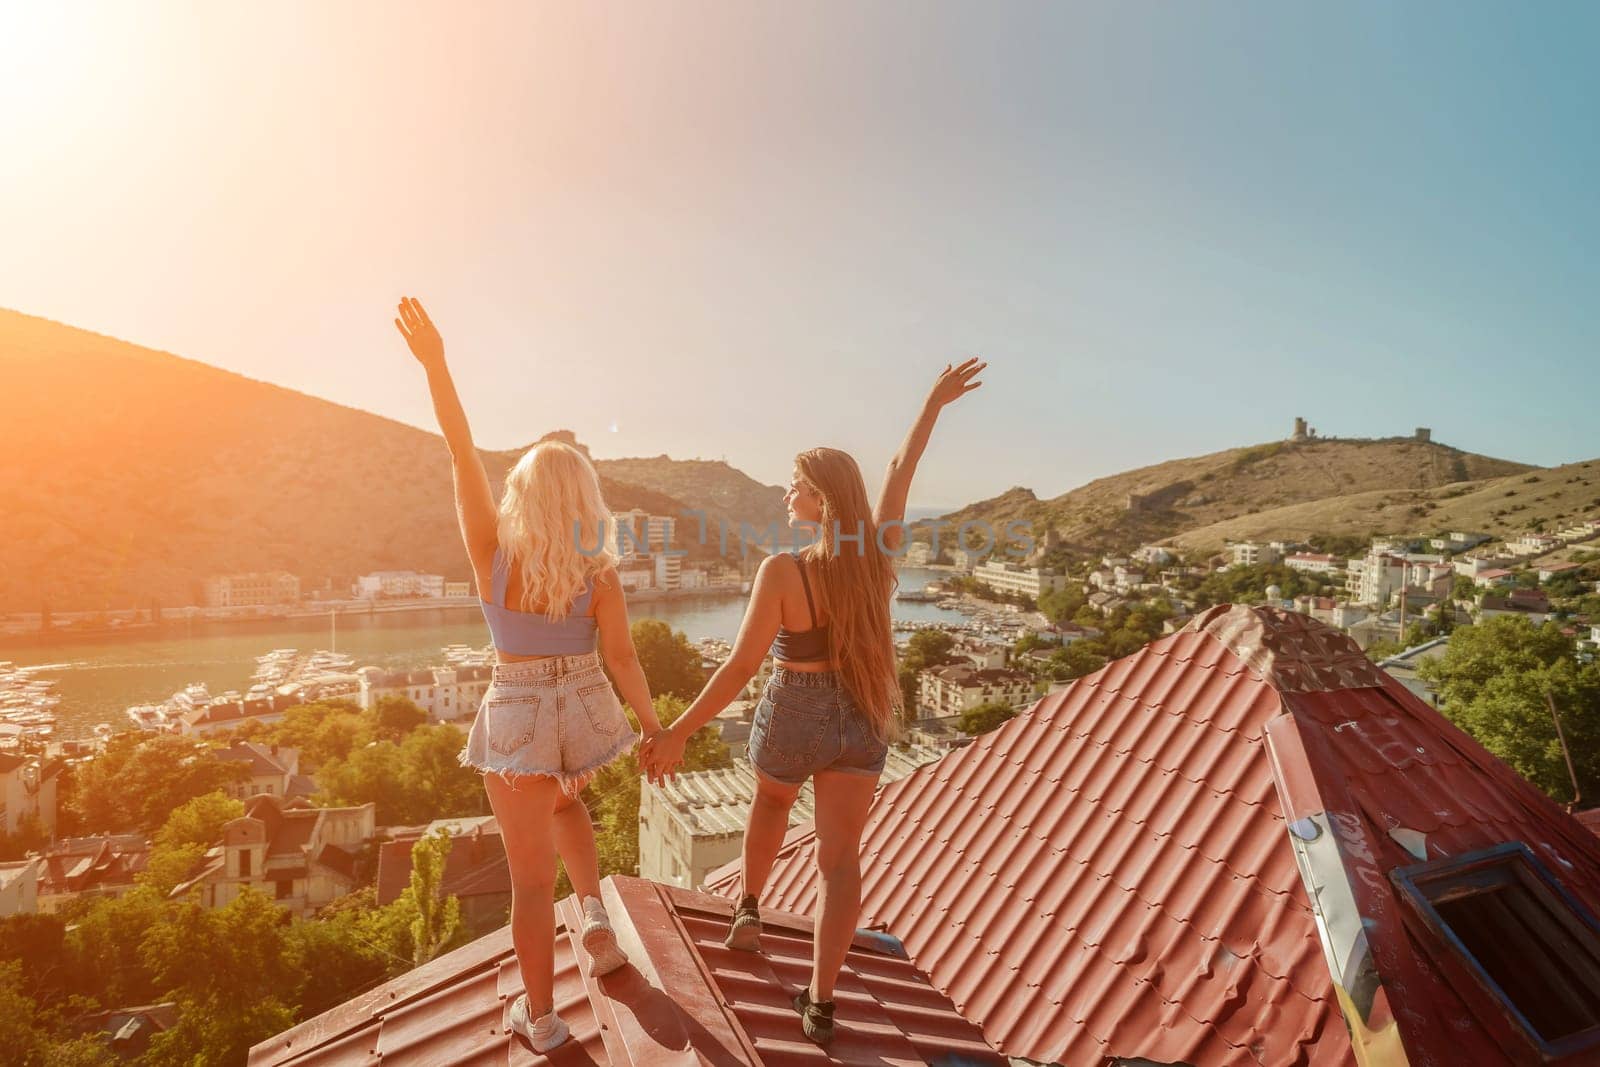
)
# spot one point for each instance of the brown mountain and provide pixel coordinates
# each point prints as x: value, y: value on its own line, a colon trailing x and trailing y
x: 131, y: 475
x: 1169, y: 499
x: 711, y: 486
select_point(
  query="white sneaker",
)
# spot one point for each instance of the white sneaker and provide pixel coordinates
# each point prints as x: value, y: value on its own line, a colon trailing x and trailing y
x: 599, y: 940
x: 544, y: 1033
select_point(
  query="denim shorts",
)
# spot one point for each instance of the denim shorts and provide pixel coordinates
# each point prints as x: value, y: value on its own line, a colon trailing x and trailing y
x: 807, y: 722
x: 557, y: 717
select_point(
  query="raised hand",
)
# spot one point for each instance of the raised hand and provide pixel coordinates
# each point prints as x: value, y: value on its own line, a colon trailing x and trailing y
x: 420, y: 333
x: 956, y: 382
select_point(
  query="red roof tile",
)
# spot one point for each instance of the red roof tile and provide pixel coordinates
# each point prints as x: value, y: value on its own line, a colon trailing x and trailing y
x: 1108, y: 875
x: 686, y: 999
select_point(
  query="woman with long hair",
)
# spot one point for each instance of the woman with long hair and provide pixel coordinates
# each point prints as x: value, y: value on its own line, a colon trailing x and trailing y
x: 550, y: 718
x: 832, y: 705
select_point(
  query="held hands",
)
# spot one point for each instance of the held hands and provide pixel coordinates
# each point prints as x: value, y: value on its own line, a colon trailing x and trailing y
x: 955, y: 382
x: 661, y: 754
x: 420, y: 333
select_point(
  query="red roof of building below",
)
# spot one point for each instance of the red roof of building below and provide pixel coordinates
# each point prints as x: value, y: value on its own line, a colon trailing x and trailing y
x: 1110, y: 876
x: 685, y: 999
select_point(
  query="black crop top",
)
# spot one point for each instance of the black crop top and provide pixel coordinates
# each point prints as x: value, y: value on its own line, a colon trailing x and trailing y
x: 806, y: 646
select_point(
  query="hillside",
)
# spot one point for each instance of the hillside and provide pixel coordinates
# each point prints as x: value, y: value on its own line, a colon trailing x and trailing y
x: 1161, y: 501
x: 132, y: 474
x: 1503, y: 507
x: 711, y: 486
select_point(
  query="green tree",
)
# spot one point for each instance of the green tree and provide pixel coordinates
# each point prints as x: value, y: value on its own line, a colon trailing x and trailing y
x: 1496, y: 681
x: 986, y: 717
x: 671, y: 664
x: 21, y: 1037
x: 184, y: 838
x: 422, y: 922
x: 395, y: 717
x: 1075, y: 661
x: 1061, y: 605
x: 139, y: 780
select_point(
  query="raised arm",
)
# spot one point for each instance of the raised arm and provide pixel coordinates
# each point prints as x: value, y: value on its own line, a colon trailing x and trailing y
x: 475, y: 508
x: 761, y: 621
x: 954, y: 382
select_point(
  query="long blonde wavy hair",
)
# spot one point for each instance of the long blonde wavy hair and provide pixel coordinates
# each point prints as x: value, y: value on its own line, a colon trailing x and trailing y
x: 857, y: 582
x: 552, y: 504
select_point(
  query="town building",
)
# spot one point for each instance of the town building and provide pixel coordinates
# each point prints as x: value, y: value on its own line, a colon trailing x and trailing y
x: 391, y: 585
x: 1458, y: 541
x: 1155, y: 555
x: 475, y: 870
x: 221, y: 714
x: 965, y: 560
x: 456, y: 590
x: 299, y: 856
x: 272, y: 769
x: 945, y: 692
x: 1530, y: 604
x: 28, y: 792
x: 1014, y: 578
x: 445, y: 693
x: 917, y: 554
x: 1313, y: 562
x: 694, y: 822
x: 252, y: 590
x: 668, y: 571
x: 19, y: 886
x: 1244, y: 844
x: 1258, y: 554
x: 102, y: 865
x: 635, y: 577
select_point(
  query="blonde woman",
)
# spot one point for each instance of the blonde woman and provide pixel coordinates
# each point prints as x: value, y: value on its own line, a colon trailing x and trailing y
x: 832, y: 705
x: 550, y: 718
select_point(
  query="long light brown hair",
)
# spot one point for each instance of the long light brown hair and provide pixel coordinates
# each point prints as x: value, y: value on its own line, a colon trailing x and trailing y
x: 857, y: 581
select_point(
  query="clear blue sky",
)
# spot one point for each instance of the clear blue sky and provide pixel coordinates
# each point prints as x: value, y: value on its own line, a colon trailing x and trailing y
x: 739, y: 230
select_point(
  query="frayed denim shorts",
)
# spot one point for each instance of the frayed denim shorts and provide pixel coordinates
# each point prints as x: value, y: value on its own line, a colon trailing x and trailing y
x: 557, y: 717
x: 807, y: 722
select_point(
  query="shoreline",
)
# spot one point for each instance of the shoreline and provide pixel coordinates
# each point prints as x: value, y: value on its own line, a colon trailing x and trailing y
x: 187, y: 626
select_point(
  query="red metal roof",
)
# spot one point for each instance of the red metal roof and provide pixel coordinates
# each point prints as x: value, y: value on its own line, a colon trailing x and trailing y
x: 1109, y: 874
x: 686, y: 999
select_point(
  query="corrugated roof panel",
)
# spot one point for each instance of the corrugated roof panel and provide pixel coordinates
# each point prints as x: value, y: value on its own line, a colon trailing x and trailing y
x: 1114, y: 860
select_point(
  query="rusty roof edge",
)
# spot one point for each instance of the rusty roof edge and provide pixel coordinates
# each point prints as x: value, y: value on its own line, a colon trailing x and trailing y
x: 673, y: 964
x: 1327, y: 836
x: 359, y: 1011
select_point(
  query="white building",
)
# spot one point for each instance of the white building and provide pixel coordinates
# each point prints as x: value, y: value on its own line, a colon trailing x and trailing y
x: 398, y: 584
x: 636, y: 577
x: 1155, y: 555
x: 445, y: 693
x: 668, y: 571
x: 1458, y: 541
x: 1014, y: 578
x: 273, y: 770
x: 918, y: 554
x: 28, y: 791
x: 1312, y: 562
x: 455, y: 590
x: 19, y: 887
x: 964, y: 559
x: 252, y: 590
x: 945, y: 692
x: 694, y: 823
x: 1256, y: 554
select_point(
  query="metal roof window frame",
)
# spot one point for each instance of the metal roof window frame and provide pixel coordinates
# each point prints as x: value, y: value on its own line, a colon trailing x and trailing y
x: 1424, y: 885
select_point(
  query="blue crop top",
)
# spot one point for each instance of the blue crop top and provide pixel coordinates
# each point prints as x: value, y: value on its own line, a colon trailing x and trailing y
x: 526, y: 633
x: 807, y: 646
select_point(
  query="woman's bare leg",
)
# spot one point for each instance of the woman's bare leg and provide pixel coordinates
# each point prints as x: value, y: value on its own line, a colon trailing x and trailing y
x: 574, y: 837
x: 526, y: 814
x: 843, y: 803
x: 764, y: 832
